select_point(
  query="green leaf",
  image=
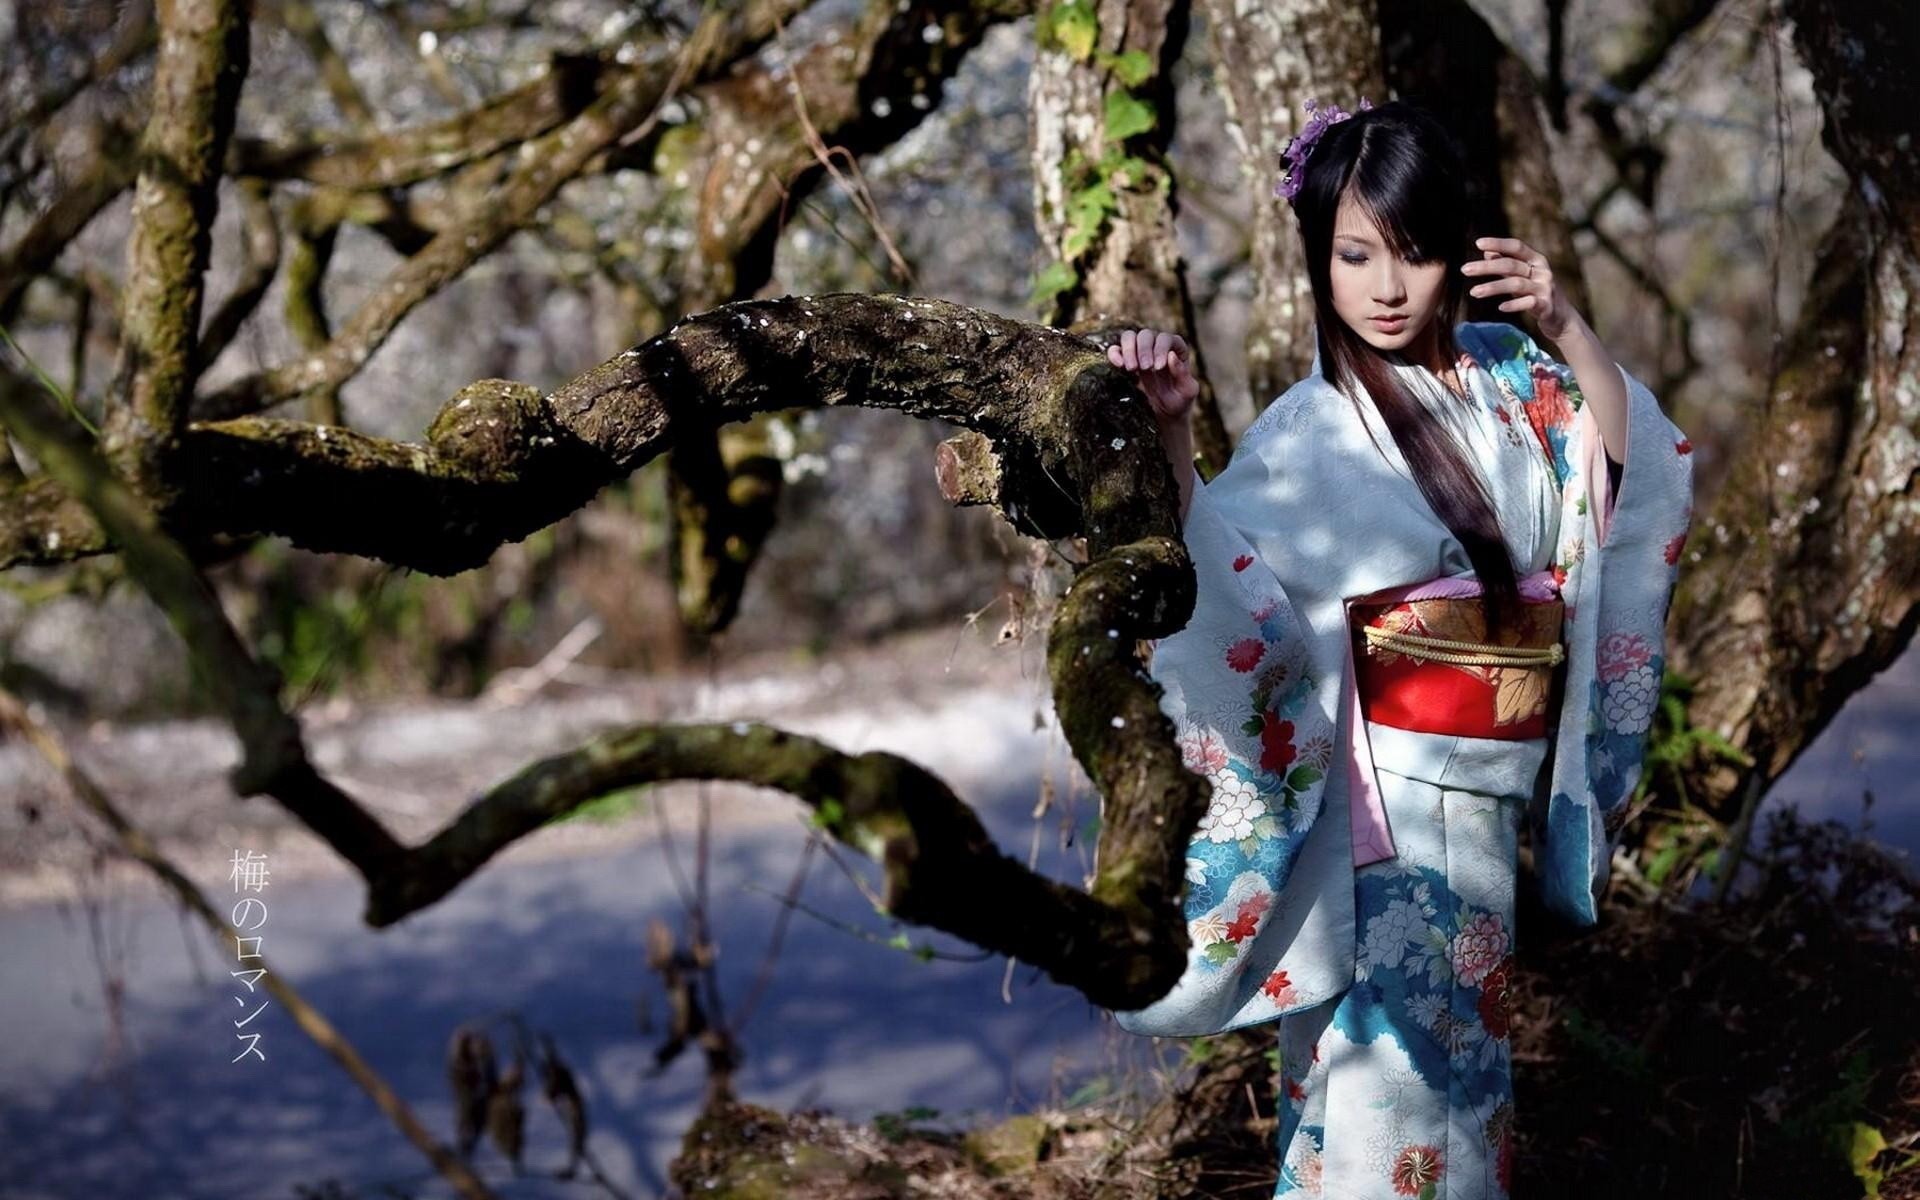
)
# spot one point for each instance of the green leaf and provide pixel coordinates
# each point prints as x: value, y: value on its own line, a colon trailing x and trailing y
x: 1303, y: 778
x: 1864, y: 1144
x: 1662, y: 863
x: 1222, y: 952
x: 1252, y: 726
x: 1057, y: 277
x: 1133, y: 68
x: 831, y: 815
x: 1073, y: 26
x: 1127, y: 115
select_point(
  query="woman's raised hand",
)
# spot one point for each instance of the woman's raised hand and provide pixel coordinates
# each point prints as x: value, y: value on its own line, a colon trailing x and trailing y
x: 1159, y: 361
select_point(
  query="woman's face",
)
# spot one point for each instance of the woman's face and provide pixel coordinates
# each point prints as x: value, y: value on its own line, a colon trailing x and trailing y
x: 1370, y: 282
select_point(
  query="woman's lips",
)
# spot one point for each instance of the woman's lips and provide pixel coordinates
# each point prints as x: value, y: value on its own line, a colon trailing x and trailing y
x: 1388, y: 324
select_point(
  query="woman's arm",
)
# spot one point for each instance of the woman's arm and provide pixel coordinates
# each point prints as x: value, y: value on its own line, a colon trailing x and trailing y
x: 1177, y: 437
x: 1600, y: 382
x: 1512, y: 268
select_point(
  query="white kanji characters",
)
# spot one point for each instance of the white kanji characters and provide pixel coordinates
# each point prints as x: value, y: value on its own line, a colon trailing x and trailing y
x: 249, y: 872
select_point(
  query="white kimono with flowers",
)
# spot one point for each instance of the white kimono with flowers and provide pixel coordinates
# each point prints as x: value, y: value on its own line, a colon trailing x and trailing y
x: 1309, y: 515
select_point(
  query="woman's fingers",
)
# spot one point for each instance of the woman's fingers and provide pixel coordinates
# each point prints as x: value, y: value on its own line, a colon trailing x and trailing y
x: 1147, y: 351
x: 1506, y: 284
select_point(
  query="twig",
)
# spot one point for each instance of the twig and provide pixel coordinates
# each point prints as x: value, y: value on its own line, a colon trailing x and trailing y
x: 138, y: 845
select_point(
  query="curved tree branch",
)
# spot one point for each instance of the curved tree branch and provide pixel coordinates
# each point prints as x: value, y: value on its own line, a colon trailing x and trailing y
x: 542, y: 166
x: 1057, y: 410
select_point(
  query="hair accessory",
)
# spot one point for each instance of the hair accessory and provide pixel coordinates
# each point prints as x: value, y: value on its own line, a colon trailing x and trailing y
x: 1301, y: 144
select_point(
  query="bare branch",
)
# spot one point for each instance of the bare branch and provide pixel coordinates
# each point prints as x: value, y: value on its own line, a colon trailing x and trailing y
x: 196, y: 89
x: 543, y: 166
x: 299, y: 18
x: 142, y: 848
x: 570, y: 85
x: 105, y: 172
x: 273, y: 759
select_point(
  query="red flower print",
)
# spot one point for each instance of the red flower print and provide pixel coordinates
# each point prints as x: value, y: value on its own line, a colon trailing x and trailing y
x: 1673, y: 547
x: 1294, y: 1090
x: 1278, y: 988
x: 1243, y: 562
x: 1245, y: 654
x: 1684, y: 445
x: 1502, y: 413
x: 1560, y: 580
x: 1621, y: 654
x: 1496, y: 1000
x: 1204, y: 753
x: 1415, y: 1167
x: 1245, y: 921
x: 1276, y: 743
x: 1550, y: 408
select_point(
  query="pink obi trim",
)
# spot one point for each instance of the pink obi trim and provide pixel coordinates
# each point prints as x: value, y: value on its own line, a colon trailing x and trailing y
x: 1372, y: 840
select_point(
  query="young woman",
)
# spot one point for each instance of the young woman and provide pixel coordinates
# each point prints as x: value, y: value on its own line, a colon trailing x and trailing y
x: 1433, y: 583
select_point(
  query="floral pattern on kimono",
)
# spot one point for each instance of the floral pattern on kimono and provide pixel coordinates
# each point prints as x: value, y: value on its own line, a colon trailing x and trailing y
x: 1303, y: 516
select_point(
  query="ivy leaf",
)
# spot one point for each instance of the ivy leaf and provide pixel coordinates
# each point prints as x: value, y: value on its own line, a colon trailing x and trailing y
x: 1222, y: 952
x: 1133, y: 68
x: 1073, y: 27
x: 1127, y: 115
x: 1058, y: 277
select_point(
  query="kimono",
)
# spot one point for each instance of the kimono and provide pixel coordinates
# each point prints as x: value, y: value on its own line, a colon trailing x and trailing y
x: 1353, y: 881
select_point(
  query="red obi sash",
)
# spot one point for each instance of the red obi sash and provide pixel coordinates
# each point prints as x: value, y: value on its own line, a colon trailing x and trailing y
x: 1394, y: 684
x: 1399, y: 686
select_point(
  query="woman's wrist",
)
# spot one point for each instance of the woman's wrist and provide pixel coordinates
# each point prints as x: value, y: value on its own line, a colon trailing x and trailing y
x: 1177, y: 438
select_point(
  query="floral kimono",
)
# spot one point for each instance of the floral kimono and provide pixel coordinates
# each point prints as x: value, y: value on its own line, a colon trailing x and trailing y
x: 1354, y: 880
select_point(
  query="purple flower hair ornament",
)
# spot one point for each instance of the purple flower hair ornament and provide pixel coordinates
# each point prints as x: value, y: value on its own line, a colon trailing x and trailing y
x: 1301, y: 144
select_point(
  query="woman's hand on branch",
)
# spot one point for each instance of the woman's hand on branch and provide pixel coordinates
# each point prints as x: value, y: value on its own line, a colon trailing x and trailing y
x: 1159, y: 361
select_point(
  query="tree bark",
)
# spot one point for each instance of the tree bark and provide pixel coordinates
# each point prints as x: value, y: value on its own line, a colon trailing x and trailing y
x: 1270, y: 59
x: 1100, y: 106
x: 1803, y: 581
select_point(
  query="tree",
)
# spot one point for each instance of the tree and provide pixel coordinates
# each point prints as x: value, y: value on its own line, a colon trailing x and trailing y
x: 180, y: 473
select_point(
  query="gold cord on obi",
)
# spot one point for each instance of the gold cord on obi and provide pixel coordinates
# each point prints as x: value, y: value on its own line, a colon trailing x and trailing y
x: 1419, y: 646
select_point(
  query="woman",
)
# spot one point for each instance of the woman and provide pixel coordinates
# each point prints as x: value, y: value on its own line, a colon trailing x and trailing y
x: 1405, y: 642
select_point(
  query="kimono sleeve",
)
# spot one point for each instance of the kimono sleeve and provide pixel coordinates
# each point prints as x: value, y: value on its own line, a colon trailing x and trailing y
x: 1269, y: 902
x: 1618, y: 557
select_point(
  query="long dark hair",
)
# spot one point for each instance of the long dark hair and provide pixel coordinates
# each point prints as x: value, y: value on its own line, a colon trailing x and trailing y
x: 1406, y: 171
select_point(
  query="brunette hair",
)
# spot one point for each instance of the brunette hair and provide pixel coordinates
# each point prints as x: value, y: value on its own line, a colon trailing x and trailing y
x: 1406, y: 171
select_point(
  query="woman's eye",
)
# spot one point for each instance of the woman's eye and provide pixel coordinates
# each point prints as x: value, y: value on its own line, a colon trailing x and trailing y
x: 1355, y: 259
